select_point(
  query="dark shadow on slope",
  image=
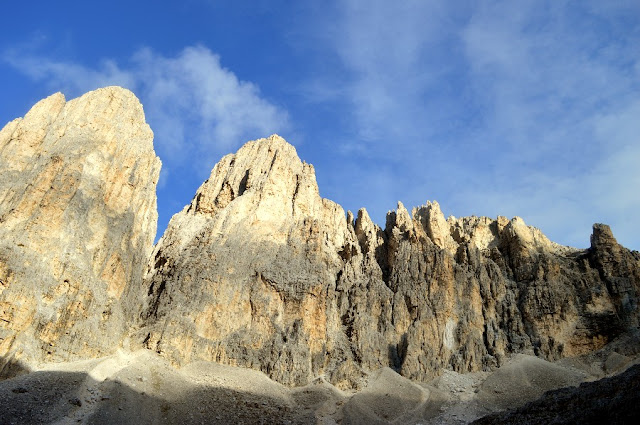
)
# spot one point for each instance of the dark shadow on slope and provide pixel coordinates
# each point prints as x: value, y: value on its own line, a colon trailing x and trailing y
x: 9, y: 368
x: 39, y: 397
x: 151, y: 394
x: 197, y: 405
x: 614, y: 400
x: 48, y: 397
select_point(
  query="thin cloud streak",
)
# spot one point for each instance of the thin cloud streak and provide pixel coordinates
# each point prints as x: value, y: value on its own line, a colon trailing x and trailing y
x: 501, y: 108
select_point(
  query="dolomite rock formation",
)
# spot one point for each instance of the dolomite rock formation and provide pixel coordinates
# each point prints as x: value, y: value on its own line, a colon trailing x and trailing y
x: 260, y: 271
x: 77, y: 222
x: 242, y: 273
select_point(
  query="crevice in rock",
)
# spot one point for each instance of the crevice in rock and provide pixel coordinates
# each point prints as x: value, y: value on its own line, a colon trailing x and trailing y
x: 243, y: 183
x: 155, y: 303
x: 382, y: 256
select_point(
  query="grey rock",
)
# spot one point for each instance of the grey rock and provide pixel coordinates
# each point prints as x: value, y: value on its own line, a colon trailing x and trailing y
x: 260, y: 271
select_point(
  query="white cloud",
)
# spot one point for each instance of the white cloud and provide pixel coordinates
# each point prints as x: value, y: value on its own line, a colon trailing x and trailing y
x: 382, y: 48
x: 561, y: 91
x: 198, y: 109
x: 217, y: 107
x: 492, y: 107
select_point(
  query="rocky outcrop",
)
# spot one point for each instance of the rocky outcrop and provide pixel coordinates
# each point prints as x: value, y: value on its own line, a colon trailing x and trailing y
x: 243, y: 274
x: 77, y: 223
x: 260, y: 271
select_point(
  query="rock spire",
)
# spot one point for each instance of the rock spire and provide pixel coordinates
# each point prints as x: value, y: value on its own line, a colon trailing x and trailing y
x: 77, y: 223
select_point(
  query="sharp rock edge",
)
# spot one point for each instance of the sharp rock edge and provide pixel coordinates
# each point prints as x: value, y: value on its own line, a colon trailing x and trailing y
x: 78, y: 218
x: 260, y: 271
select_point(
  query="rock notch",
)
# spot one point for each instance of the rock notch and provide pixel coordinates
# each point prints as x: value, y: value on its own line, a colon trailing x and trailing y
x: 260, y: 271
x: 77, y: 223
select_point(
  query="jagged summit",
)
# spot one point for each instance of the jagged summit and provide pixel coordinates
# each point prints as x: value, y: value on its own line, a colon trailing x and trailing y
x: 266, y: 166
x: 260, y: 271
x: 286, y: 285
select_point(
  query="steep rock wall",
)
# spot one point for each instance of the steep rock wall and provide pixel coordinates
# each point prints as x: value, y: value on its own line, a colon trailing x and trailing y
x: 260, y: 271
x: 77, y: 222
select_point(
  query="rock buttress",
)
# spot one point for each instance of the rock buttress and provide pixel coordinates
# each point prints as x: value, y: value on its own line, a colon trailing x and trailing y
x: 260, y: 271
x: 77, y: 222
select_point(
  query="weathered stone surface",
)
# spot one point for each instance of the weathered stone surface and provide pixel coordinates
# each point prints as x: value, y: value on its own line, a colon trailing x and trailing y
x: 77, y: 222
x: 260, y: 271
x: 241, y: 275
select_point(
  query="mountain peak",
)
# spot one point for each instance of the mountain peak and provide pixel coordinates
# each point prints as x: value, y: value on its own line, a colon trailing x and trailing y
x: 77, y: 221
x: 260, y: 271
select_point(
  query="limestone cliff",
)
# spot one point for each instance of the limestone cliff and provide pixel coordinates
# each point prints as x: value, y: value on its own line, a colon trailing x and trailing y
x: 260, y: 271
x: 244, y: 274
x: 77, y: 222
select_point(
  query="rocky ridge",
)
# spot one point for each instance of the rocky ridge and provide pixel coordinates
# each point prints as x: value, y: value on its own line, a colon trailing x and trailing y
x: 260, y: 271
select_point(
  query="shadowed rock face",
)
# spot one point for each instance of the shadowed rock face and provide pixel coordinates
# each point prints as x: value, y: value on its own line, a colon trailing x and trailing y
x: 77, y: 222
x: 260, y: 271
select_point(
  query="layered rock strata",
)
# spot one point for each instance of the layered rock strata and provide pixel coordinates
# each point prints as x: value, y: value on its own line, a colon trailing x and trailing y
x: 77, y: 223
x: 260, y: 271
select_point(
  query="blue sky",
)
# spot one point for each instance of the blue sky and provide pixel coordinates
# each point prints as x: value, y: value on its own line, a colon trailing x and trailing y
x: 528, y: 108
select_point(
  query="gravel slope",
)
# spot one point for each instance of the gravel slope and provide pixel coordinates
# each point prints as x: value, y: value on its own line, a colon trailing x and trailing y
x: 142, y: 388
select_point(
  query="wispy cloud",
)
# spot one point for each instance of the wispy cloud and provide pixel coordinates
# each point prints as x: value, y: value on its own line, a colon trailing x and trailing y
x: 198, y: 109
x: 559, y: 85
x: 492, y: 107
x: 393, y: 76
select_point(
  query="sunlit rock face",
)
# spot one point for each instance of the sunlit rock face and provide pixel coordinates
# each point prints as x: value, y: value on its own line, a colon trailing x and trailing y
x: 260, y: 271
x: 77, y: 223
x: 246, y: 274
